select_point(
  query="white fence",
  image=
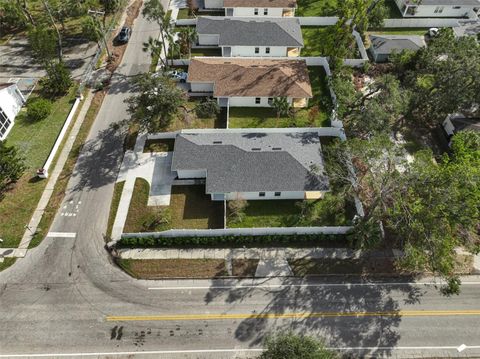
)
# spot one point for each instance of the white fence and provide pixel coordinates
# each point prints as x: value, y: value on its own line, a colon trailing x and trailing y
x: 43, y: 173
x: 241, y: 232
x: 186, y: 22
x: 318, y: 21
x: 430, y: 22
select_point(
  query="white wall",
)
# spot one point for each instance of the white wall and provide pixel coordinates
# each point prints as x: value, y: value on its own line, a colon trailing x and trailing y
x: 201, y: 87
x: 11, y: 101
x: 213, y: 4
x: 185, y: 174
x: 208, y: 39
x: 317, y: 21
x: 448, y: 11
x: 249, y: 51
x: 249, y: 11
x: 250, y: 102
x: 268, y: 195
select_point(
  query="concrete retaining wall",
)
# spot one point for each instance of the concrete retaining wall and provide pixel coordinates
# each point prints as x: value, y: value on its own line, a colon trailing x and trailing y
x: 241, y: 232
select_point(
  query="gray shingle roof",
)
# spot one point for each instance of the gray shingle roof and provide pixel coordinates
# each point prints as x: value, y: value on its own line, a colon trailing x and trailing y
x: 253, y: 162
x: 241, y: 31
x: 386, y: 44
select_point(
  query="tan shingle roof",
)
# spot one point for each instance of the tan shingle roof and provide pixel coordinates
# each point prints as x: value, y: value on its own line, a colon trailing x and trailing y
x: 260, y: 3
x: 252, y: 77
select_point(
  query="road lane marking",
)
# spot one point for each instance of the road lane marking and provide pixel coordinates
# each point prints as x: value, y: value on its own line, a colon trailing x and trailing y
x: 211, y: 351
x: 276, y: 286
x: 61, y: 234
x: 220, y: 316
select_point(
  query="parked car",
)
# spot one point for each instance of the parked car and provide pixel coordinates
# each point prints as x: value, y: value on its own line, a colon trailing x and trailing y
x: 124, y: 35
x: 178, y: 75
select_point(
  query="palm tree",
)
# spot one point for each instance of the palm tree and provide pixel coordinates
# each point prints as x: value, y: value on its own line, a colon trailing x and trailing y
x: 281, y: 106
x: 188, y: 36
x: 154, y: 46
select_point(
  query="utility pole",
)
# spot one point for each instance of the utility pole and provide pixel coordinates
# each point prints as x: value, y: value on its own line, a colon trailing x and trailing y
x: 94, y: 14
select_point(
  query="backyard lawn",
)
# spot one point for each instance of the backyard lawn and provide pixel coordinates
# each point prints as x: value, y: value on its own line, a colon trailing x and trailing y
x: 330, y: 211
x: 191, y: 208
x: 316, y: 8
x: 313, y: 39
x: 252, y: 117
x: 34, y: 140
x: 188, y: 119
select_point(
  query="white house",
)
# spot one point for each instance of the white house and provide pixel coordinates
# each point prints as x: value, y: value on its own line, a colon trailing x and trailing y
x: 382, y: 46
x: 250, y: 82
x: 11, y: 101
x: 245, y: 8
x: 438, y: 8
x: 253, y: 164
x: 248, y: 37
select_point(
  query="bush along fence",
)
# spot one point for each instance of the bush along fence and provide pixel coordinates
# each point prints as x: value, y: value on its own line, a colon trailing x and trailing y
x: 274, y: 240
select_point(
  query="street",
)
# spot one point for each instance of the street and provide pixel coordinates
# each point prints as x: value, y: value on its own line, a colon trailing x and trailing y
x: 67, y: 297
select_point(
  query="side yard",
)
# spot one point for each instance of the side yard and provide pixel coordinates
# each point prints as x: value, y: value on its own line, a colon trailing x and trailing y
x: 315, y: 115
x: 34, y: 140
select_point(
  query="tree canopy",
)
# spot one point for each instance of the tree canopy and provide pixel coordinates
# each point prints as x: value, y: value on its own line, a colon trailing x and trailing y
x: 156, y: 102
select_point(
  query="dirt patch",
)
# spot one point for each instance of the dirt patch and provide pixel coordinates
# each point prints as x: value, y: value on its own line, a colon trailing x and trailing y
x: 244, y: 267
x: 329, y: 266
x: 116, y: 50
x: 174, y: 268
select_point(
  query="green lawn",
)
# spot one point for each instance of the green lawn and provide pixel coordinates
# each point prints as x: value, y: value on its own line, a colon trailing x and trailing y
x: 35, y: 141
x: 313, y: 39
x: 207, y: 52
x: 191, y: 208
x: 161, y: 145
x: 143, y: 218
x: 316, y: 8
x: 251, y: 117
x: 400, y: 31
x: 330, y: 211
x: 117, y: 194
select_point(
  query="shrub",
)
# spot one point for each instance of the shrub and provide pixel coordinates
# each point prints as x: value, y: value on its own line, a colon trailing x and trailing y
x: 207, y: 109
x: 273, y: 240
x: 58, y: 80
x: 38, y: 109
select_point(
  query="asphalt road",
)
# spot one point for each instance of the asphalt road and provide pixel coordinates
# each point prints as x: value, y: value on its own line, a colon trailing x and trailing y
x: 66, y: 296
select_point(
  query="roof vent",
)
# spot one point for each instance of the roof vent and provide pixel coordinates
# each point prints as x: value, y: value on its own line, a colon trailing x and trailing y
x: 256, y: 149
x: 277, y: 148
x: 217, y: 142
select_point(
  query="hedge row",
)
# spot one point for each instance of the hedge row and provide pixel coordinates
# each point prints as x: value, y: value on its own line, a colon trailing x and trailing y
x: 324, y: 240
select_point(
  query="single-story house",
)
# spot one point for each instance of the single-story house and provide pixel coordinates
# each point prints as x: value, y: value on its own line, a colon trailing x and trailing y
x: 438, y: 8
x: 382, y: 46
x: 11, y: 101
x: 271, y: 8
x: 239, y: 36
x: 457, y: 122
x: 253, y: 164
x: 250, y: 82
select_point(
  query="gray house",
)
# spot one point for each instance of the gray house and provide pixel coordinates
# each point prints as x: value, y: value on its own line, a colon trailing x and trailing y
x: 382, y: 46
x: 253, y: 164
x: 245, y: 37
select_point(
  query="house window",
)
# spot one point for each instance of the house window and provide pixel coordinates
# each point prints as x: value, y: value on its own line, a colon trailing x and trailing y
x: 261, y: 194
x: 278, y: 194
x: 270, y: 100
x: 255, y: 11
x: 257, y: 100
x: 265, y: 11
x: 267, y: 50
x: 4, y: 123
x: 438, y: 10
x: 457, y: 7
x: 257, y: 50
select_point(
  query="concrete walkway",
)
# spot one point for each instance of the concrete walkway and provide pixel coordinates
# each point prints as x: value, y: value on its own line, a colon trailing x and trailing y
x: 31, y: 229
x: 155, y: 168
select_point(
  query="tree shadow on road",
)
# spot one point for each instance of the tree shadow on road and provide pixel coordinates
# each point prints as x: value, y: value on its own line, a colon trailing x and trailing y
x: 325, y: 307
